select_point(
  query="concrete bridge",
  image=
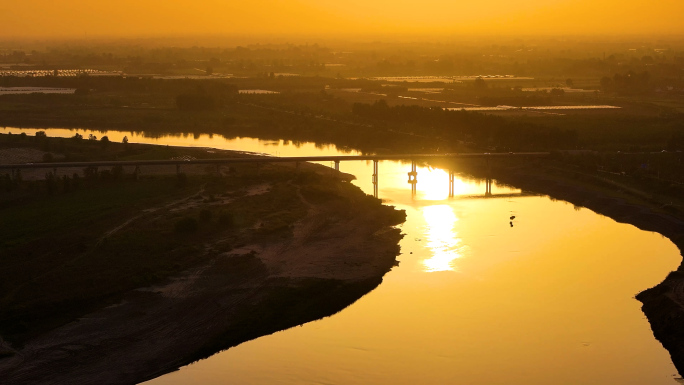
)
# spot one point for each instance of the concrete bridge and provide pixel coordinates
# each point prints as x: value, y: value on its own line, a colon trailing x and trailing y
x: 412, y: 175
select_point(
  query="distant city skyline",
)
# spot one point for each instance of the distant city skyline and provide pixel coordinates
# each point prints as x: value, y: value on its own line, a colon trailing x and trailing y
x: 325, y: 18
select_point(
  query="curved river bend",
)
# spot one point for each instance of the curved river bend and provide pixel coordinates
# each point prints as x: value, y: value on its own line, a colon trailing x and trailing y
x: 474, y: 299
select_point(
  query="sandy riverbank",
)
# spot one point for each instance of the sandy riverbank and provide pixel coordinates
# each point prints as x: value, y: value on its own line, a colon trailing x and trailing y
x: 338, y: 252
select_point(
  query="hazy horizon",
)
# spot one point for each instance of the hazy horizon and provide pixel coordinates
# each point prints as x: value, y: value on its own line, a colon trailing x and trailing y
x: 325, y: 19
x: 352, y: 43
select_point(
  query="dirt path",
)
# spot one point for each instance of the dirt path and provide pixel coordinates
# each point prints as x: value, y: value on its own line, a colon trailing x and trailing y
x: 144, y: 213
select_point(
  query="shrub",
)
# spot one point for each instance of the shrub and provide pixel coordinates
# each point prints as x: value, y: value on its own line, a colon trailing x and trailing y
x: 90, y: 172
x: 195, y: 102
x: 117, y: 172
x: 7, y: 183
x: 76, y: 180
x: 226, y: 219
x: 186, y: 225
x: 205, y: 215
x: 181, y: 180
x: 50, y: 183
x: 66, y: 183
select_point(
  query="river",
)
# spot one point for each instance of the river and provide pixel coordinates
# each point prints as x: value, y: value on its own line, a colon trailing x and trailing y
x: 477, y: 298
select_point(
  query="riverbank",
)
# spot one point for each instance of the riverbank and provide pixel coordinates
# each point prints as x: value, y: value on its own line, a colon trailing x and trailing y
x: 273, y: 248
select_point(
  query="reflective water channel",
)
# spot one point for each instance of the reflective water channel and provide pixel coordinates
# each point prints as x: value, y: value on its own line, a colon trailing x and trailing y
x: 474, y: 299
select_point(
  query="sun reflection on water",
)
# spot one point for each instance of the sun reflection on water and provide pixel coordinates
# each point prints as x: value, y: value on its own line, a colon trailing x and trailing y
x: 442, y: 240
x: 433, y: 185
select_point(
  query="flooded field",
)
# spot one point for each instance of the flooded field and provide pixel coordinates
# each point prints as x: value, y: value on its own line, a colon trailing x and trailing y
x: 511, y: 108
x: 446, y: 79
x: 565, y: 89
x: 258, y: 92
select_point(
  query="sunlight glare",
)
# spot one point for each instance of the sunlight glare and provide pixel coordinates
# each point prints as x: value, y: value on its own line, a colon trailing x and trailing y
x: 433, y: 185
x: 442, y: 240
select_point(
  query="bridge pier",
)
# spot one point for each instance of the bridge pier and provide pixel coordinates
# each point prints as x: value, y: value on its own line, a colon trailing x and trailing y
x: 375, y: 178
x: 413, y: 178
x: 337, y: 165
x: 488, y: 187
x: 451, y: 184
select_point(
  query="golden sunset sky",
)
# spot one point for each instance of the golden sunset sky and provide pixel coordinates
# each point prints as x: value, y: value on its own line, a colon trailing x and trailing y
x: 73, y: 18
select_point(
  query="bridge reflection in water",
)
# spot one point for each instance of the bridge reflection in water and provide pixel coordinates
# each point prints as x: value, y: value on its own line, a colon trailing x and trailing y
x: 413, y: 181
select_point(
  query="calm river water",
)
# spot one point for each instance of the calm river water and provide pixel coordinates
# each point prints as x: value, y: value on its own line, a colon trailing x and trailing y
x: 473, y: 301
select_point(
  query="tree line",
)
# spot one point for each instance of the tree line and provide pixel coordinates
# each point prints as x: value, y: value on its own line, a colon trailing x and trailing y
x: 457, y: 125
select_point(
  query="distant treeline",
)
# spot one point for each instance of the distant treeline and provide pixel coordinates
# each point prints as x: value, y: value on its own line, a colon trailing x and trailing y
x: 133, y: 84
x: 629, y: 83
x: 642, y: 83
x: 577, y: 58
x: 492, y: 131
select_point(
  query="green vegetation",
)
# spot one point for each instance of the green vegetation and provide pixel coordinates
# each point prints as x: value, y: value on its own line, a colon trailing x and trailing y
x: 186, y: 225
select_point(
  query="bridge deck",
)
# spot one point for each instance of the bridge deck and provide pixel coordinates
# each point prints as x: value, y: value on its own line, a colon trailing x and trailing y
x: 272, y: 159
